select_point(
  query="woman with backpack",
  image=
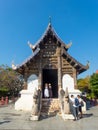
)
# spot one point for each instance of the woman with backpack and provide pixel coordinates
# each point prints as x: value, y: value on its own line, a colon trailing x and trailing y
x: 81, y: 104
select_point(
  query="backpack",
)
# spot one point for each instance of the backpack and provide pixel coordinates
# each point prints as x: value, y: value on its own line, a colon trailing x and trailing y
x: 82, y: 103
x: 76, y: 102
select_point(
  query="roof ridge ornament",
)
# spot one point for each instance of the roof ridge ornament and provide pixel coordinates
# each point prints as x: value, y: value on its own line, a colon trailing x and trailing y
x: 49, y: 21
x: 88, y: 64
x: 31, y: 46
x: 13, y: 66
x: 69, y: 44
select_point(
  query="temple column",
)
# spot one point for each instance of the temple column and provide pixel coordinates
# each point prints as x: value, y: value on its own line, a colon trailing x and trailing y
x: 59, y: 68
x: 40, y: 75
x: 40, y: 79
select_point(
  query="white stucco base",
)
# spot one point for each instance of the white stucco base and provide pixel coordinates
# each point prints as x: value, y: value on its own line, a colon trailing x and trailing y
x: 74, y: 92
x: 67, y: 116
x: 34, y: 117
x: 25, y: 102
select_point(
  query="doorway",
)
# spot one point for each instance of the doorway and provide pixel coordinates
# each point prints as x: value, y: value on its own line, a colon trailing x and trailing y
x: 51, y: 76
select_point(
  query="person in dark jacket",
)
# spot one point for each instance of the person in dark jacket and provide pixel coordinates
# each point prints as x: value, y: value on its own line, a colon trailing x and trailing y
x: 74, y: 104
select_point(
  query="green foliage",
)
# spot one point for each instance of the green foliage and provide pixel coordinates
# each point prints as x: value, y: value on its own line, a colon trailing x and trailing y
x: 94, y: 85
x: 3, y: 91
x: 83, y: 84
x: 10, y: 81
x: 89, y: 85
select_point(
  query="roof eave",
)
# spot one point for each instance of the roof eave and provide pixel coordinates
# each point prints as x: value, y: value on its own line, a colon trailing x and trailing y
x: 27, y: 60
x: 78, y: 66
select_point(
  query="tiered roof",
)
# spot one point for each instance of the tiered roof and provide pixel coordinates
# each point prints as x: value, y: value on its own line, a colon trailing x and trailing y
x: 36, y: 49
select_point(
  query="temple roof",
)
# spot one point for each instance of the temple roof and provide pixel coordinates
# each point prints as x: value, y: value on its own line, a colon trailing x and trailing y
x: 72, y: 61
x: 36, y: 49
x: 49, y: 31
x: 15, y: 67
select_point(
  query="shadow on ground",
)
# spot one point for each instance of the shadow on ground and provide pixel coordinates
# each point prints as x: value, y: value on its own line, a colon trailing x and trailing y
x: 2, y: 122
x: 42, y: 117
x: 87, y: 115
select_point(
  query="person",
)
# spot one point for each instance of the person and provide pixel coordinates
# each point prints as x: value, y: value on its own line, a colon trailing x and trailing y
x: 74, y: 107
x: 80, y: 105
x: 46, y: 91
x: 50, y: 91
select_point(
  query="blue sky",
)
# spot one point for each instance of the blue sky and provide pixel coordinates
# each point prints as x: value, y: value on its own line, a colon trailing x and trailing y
x: 26, y: 20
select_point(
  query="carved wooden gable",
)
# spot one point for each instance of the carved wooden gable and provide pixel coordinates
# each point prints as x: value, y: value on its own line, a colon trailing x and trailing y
x: 45, y: 55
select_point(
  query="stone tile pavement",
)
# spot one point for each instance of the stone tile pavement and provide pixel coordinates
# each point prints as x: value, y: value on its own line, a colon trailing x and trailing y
x: 10, y: 119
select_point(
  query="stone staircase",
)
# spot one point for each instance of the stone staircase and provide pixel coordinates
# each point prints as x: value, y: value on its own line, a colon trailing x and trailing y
x: 50, y: 106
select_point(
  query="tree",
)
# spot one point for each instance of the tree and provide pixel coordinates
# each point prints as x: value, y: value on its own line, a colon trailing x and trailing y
x: 83, y: 84
x: 94, y: 85
x: 11, y: 82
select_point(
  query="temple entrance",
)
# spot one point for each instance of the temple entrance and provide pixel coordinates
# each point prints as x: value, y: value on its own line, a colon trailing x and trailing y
x: 51, y: 76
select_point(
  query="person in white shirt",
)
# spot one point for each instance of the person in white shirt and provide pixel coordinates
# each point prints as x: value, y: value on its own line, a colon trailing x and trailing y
x: 46, y: 91
x: 74, y: 107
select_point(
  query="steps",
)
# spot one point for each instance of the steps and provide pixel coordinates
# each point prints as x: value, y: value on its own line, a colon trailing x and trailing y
x: 50, y: 106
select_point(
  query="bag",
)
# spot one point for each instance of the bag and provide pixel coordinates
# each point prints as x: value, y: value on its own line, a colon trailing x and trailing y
x: 76, y: 102
x: 82, y: 103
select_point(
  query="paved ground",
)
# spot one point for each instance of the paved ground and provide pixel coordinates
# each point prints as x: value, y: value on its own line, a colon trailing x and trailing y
x: 18, y: 120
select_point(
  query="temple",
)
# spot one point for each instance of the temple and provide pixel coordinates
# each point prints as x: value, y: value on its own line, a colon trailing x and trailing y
x: 51, y: 63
